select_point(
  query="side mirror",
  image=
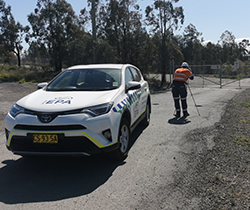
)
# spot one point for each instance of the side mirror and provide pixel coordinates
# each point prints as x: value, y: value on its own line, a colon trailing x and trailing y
x: 42, y: 85
x: 132, y: 85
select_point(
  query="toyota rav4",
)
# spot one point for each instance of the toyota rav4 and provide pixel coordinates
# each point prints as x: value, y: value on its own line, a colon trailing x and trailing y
x: 84, y: 110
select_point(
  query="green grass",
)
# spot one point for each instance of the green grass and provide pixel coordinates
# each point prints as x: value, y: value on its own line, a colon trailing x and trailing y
x: 245, y: 104
x: 242, y: 140
x: 25, y: 74
x: 244, y: 122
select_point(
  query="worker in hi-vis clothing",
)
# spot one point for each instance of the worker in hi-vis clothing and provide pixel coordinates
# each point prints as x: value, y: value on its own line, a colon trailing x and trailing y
x: 179, y: 90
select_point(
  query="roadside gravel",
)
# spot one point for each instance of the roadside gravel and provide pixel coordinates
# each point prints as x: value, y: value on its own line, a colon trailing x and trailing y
x: 219, y: 176
x: 9, y: 92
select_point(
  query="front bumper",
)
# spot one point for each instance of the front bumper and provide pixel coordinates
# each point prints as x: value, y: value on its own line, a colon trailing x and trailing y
x: 73, y: 139
x: 71, y: 145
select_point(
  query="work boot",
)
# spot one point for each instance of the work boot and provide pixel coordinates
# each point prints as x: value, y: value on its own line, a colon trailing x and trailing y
x: 185, y: 114
x: 177, y: 114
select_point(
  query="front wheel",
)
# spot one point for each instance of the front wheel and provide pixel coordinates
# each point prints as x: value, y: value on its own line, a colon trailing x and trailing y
x: 121, y: 152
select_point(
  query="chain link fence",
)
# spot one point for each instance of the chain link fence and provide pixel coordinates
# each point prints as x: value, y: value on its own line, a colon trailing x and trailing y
x: 216, y: 75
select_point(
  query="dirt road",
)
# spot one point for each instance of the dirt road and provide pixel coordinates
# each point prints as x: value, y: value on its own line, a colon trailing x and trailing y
x: 147, y: 179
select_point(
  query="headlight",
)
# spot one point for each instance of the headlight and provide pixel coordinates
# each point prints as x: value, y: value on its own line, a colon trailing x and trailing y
x: 15, y: 110
x: 98, y: 110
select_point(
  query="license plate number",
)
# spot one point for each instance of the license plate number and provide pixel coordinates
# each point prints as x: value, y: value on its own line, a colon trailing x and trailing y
x: 45, y: 138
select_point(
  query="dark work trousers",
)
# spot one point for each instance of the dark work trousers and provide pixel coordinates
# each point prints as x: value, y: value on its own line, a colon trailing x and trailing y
x: 179, y: 91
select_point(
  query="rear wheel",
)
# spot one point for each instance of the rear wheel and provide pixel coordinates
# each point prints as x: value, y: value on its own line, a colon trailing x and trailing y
x: 121, y: 152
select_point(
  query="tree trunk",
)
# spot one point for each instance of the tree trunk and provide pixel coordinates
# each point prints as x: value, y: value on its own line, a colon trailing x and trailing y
x: 163, y: 61
x: 19, y: 60
x: 93, y: 18
x: 17, y: 52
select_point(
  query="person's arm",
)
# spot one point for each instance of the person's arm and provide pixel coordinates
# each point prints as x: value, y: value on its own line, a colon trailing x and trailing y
x: 191, y: 75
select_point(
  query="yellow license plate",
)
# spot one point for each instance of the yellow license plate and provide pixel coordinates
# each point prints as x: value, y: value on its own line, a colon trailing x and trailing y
x: 45, y: 138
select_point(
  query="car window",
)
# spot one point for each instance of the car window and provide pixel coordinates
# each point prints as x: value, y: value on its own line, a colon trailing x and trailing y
x: 63, y: 80
x: 136, y: 74
x: 87, y: 79
x: 128, y: 76
x: 80, y: 77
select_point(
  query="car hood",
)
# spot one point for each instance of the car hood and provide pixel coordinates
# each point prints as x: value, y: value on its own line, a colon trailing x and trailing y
x: 48, y: 101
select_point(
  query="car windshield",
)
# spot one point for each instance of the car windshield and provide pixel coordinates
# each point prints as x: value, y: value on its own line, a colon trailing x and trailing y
x: 86, y: 80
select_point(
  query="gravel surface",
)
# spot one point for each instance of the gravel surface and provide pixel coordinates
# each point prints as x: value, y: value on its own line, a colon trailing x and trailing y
x: 219, y: 177
x: 214, y: 172
x: 9, y: 93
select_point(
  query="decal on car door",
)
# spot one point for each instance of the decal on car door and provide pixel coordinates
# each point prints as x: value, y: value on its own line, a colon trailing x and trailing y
x: 129, y: 100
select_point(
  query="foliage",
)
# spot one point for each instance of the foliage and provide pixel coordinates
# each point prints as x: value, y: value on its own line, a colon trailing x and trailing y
x: 12, y: 33
x: 54, y: 25
x: 120, y: 26
x: 58, y: 37
x: 229, y: 70
x: 24, y: 74
x: 164, y: 18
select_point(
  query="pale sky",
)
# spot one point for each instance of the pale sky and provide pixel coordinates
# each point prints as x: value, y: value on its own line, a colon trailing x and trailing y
x: 210, y: 17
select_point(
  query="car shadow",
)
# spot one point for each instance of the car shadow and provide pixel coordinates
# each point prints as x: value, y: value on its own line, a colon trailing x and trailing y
x: 38, y: 179
x: 136, y: 133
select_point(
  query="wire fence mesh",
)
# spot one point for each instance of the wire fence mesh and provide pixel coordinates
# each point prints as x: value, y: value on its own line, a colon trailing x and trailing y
x: 221, y: 75
x: 215, y: 75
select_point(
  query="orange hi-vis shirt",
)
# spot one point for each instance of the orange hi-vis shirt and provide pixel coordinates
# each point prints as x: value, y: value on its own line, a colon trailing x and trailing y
x: 182, y: 74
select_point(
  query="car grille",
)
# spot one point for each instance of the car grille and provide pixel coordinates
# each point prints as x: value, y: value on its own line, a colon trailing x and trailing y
x: 49, y: 128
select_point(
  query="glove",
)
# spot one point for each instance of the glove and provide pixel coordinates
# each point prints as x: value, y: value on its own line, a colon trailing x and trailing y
x: 191, y: 77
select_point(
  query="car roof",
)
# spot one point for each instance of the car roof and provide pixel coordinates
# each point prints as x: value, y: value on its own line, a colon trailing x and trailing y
x: 94, y: 66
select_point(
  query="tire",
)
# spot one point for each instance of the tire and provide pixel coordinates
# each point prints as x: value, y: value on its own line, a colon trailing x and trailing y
x: 146, y: 119
x: 123, y: 140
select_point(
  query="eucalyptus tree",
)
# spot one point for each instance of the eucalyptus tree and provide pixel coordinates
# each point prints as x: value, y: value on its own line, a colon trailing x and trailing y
x: 164, y: 19
x: 94, y: 4
x: 244, y: 48
x: 120, y: 24
x: 37, y: 53
x: 55, y: 25
x: 12, y: 32
x: 191, y: 45
x: 211, y: 53
x: 229, y: 47
x: 80, y: 49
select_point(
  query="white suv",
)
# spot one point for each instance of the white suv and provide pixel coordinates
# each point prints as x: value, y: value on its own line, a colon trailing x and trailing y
x: 86, y: 109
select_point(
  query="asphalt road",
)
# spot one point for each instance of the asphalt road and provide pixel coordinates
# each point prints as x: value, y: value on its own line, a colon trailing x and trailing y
x: 145, y: 180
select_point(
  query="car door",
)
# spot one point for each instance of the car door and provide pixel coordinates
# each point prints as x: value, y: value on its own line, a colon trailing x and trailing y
x: 133, y: 96
x: 141, y: 94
